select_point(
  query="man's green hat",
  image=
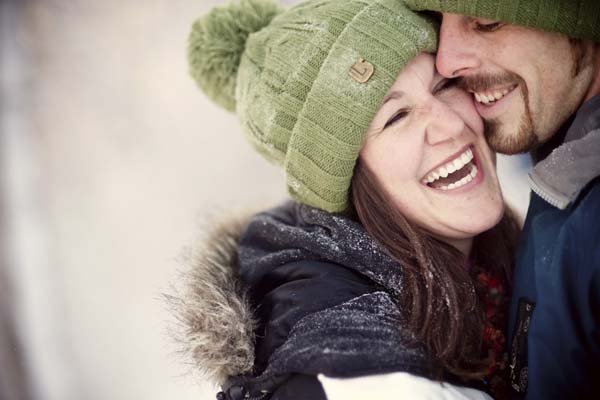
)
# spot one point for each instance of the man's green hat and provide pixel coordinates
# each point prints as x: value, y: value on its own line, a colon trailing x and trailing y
x: 574, y: 18
x: 306, y: 82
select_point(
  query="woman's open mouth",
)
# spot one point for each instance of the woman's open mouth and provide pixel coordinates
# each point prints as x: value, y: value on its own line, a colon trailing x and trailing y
x: 454, y: 174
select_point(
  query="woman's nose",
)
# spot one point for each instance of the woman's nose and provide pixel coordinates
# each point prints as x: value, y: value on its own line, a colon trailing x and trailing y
x: 444, y: 124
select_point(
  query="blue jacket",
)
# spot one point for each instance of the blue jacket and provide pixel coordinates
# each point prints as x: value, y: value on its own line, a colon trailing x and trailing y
x: 554, y: 321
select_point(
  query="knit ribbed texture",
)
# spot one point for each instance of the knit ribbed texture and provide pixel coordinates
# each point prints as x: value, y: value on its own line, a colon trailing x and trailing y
x: 574, y: 18
x: 297, y: 102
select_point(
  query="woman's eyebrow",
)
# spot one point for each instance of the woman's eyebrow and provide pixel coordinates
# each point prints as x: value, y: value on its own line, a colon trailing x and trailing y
x: 397, y: 94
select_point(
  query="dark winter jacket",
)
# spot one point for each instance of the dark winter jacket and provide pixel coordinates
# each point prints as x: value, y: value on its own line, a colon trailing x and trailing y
x: 554, y: 324
x: 324, y: 294
x: 299, y: 292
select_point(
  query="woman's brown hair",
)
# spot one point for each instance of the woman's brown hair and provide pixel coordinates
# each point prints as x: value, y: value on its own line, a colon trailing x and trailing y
x: 440, y: 304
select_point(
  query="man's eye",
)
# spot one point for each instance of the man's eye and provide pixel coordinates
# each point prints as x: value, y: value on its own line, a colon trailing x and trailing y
x: 396, y: 117
x: 491, y: 27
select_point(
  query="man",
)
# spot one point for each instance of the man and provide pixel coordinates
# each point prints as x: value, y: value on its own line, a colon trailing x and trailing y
x: 533, y: 68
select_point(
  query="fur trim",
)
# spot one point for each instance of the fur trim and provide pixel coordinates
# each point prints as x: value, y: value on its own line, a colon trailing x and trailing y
x: 215, y: 324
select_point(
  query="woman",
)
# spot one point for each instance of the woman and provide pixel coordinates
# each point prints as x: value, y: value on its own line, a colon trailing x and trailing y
x: 394, y: 255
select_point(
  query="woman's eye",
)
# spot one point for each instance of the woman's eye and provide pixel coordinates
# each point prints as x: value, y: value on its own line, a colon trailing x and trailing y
x: 488, y: 27
x: 444, y: 85
x: 396, y: 117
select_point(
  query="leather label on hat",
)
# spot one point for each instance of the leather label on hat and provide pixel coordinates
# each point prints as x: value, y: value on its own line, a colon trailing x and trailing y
x: 362, y: 71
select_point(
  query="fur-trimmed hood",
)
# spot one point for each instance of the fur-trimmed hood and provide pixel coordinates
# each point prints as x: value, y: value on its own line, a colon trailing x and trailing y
x: 325, y: 294
x: 215, y: 323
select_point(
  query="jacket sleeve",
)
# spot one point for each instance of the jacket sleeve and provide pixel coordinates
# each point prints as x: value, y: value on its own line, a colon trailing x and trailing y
x: 300, y: 387
x: 396, y: 386
x: 292, y: 291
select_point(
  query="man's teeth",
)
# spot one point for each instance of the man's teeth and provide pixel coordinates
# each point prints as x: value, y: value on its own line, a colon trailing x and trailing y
x: 458, y: 163
x: 491, y: 96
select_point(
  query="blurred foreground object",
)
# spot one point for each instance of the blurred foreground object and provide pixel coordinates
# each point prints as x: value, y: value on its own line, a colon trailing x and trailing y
x: 13, y: 376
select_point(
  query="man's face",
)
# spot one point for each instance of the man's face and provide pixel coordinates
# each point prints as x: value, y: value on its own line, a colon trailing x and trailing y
x: 525, y: 82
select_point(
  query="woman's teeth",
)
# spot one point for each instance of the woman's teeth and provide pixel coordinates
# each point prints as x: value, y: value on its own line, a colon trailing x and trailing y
x: 491, y: 96
x: 453, y: 166
x: 439, y: 179
x: 463, y: 181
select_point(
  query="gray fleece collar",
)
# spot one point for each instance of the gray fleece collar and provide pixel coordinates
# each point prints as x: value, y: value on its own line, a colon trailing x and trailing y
x: 561, y: 176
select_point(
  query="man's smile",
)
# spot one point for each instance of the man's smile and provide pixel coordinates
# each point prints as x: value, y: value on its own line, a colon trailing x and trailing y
x: 490, y: 96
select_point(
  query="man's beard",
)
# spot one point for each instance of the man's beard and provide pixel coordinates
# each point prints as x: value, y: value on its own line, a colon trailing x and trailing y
x: 524, y: 139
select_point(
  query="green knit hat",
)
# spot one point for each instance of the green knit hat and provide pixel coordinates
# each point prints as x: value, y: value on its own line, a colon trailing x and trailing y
x: 574, y: 18
x: 306, y: 82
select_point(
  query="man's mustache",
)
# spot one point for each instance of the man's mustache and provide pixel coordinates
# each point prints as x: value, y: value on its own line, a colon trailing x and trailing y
x: 484, y: 82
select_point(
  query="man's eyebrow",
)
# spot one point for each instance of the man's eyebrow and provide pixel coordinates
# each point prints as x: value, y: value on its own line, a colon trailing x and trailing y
x: 397, y: 94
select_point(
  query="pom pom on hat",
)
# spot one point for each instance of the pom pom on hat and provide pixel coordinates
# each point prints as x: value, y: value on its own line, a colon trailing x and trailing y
x: 217, y: 42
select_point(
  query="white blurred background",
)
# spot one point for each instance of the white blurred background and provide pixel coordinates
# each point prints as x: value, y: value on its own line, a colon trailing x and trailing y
x: 110, y: 161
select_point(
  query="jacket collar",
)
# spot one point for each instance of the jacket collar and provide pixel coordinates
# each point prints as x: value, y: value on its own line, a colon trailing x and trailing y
x: 560, y: 177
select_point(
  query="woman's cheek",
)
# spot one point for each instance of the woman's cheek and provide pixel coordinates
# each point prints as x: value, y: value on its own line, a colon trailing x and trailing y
x: 463, y: 104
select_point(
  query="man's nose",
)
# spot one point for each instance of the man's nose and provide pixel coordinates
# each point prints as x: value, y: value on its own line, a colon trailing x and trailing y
x: 444, y: 123
x: 457, y: 54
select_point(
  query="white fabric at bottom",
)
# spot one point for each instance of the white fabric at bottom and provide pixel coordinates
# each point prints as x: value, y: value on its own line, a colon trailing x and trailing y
x: 396, y: 386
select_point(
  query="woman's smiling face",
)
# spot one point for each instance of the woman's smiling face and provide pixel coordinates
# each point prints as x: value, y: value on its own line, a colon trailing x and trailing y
x: 426, y: 148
